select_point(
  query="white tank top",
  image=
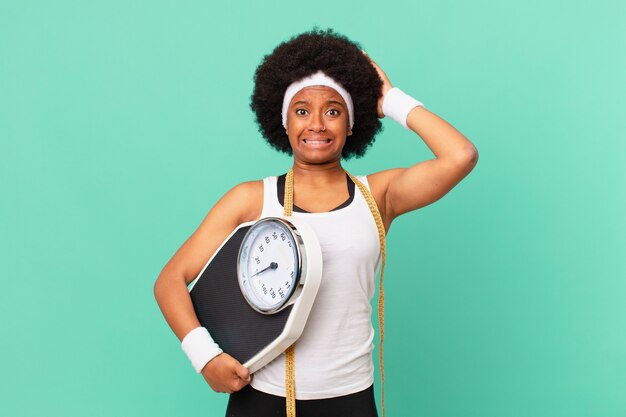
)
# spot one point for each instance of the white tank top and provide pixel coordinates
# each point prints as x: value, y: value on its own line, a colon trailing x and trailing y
x: 334, y: 353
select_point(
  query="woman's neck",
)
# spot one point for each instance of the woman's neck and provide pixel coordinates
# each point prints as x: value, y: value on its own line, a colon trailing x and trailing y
x: 318, y: 175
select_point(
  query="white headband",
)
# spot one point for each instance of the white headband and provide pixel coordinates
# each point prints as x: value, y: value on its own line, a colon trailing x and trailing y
x: 319, y: 78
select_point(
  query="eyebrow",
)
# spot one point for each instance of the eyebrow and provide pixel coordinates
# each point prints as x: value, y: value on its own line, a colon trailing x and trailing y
x: 327, y: 102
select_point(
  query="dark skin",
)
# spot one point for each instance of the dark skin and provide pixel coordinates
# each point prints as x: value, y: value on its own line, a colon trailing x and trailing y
x: 318, y: 127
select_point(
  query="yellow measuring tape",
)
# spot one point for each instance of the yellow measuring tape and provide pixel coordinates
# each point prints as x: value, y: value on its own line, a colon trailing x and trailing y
x: 290, y: 357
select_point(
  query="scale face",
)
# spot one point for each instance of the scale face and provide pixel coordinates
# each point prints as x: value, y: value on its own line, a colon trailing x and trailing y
x: 255, y: 293
x: 270, y: 264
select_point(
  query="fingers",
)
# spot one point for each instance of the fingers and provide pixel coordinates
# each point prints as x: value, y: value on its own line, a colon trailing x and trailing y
x: 240, y: 378
x: 243, y: 372
x: 225, y: 374
x: 379, y: 70
x: 239, y: 370
x: 239, y: 384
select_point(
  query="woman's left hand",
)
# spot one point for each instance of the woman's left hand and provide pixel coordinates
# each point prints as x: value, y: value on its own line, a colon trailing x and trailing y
x: 386, y: 85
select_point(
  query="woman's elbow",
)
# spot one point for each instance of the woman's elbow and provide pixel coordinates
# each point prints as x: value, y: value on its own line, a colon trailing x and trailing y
x: 157, y: 288
x: 161, y: 285
x: 468, y: 158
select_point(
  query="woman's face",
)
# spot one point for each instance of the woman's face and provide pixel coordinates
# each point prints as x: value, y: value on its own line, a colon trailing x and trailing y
x: 317, y: 124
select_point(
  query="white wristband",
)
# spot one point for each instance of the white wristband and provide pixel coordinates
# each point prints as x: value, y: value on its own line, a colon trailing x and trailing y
x: 397, y: 105
x: 200, y: 347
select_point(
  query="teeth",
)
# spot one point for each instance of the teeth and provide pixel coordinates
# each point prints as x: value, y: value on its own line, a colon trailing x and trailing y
x: 316, y: 141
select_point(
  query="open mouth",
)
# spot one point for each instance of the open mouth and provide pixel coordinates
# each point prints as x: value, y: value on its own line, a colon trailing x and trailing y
x: 317, y: 141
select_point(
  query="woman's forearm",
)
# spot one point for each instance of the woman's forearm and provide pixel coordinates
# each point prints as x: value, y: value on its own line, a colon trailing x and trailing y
x: 175, y: 303
x: 441, y: 137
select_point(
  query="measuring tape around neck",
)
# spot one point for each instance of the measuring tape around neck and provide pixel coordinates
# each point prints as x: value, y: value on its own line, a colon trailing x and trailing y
x: 290, y: 375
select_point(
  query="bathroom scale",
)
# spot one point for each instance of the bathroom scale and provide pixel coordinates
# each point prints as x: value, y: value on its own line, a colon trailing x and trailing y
x: 256, y: 292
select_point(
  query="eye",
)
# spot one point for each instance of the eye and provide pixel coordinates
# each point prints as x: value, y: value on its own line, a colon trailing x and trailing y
x: 336, y: 112
x: 300, y: 112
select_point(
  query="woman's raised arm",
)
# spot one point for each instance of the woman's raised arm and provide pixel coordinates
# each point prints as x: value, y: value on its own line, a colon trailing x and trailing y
x: 400, y: 190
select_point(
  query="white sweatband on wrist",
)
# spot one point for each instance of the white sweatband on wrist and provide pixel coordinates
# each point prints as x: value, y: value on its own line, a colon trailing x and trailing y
x: 397, y: 105
x: 200, y: 347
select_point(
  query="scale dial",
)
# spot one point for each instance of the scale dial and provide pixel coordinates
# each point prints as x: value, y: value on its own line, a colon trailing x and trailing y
x: 270, y: 264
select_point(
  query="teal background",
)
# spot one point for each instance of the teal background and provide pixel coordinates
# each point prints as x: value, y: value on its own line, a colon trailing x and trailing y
x: 122, y: 123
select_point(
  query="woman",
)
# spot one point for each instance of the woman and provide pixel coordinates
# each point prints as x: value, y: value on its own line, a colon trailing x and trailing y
x: 319, y: 98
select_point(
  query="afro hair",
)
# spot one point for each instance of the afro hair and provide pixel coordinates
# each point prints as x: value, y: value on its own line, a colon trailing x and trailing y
x: 302, y: 55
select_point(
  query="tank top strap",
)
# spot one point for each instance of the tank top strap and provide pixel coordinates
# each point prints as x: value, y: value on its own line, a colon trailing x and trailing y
x: 363, y: 179
x: 270, y: 202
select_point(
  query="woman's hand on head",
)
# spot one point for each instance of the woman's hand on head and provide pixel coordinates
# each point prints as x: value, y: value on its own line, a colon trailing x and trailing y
x: 386, y: 85
x: 224, y: 373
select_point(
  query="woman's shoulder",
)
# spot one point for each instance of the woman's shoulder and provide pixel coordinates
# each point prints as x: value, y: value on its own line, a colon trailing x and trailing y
x: 379, y: 184
x: 254, y: 186
x: 246, y: 199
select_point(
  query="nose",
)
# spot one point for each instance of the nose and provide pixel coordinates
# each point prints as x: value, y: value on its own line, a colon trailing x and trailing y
x: 317, y: 122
